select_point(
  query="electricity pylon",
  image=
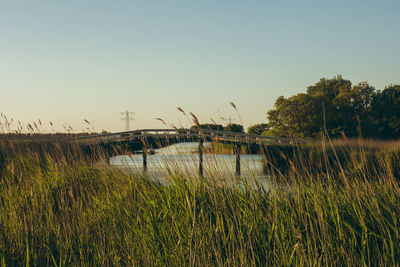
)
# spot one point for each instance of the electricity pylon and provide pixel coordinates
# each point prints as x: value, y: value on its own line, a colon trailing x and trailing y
x: 127, y: 119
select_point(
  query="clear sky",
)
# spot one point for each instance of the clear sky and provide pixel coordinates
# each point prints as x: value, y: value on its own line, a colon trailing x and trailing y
x: 66, y: 61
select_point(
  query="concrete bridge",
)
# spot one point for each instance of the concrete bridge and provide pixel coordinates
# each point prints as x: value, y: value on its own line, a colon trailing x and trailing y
x: 170, y: 136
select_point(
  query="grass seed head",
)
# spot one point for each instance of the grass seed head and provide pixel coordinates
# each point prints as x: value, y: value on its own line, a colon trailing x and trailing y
x: 195, y: 120
x: 181, y: 110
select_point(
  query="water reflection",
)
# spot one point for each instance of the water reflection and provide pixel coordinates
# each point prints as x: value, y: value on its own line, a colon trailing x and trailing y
x: 183, y: 158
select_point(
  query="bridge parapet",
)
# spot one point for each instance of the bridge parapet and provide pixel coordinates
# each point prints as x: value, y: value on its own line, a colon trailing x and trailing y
x: 205, y: 134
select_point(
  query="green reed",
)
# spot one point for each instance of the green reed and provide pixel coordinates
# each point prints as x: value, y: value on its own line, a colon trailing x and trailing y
x: 59, y: 211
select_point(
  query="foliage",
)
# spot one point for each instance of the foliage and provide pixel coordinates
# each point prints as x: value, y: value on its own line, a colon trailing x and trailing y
x: 57, y: 213
x: 386, y: 112
x: 209, y: 126
x: 217, y: 127
x: 335, y: 106
x: 257, y: 129
x: 233, y: 127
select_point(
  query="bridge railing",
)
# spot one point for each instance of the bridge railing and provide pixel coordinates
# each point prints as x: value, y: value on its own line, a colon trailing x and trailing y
x: 188, y: 133
x: 179, y: 135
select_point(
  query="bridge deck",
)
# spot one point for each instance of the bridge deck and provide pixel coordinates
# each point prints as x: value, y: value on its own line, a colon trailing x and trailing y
x: 186, y: 134
x: 177, y: 135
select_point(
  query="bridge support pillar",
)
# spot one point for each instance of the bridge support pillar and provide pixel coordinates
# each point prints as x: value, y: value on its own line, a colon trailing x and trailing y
x: 265, y: 155
x: 106, y: 153
x: 236, y: 148
x: 144, y: 160
x: 107, y: 158
x: 144, y: 155
x: 200, y: 157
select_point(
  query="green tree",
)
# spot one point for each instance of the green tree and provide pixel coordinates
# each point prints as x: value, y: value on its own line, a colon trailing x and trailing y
x: 209, y: 126
x: 386, y: 112
x: 331, y: 105
x: 257, y: 129
x: 358, y: 110
x: 295, y: 116
x: 233, y: 127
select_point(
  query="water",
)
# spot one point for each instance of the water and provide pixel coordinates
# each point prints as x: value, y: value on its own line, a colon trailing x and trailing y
x: 183, y: 159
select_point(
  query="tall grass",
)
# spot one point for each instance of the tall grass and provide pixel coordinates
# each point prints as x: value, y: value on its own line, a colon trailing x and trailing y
x: 58, y: 207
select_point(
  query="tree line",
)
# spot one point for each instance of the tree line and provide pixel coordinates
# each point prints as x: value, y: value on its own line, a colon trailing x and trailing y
x: 335, y: 107
x: 231, y: 127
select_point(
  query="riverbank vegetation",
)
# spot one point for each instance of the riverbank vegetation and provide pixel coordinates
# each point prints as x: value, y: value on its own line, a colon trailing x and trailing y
x: 336, y: 107
x: 329, y: 202
x: 60, y: 208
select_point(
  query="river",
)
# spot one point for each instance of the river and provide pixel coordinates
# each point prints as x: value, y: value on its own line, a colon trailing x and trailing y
x: 184, y: 159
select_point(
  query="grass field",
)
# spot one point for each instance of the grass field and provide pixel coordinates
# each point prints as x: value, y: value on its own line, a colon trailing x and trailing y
x: 334, y: 204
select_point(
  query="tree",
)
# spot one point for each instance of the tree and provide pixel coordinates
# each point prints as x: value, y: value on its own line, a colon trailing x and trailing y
x: 233, y: 127
x: 209, y: 126
x: 386, y: 112
x: 295, y: 116
x: 331, y: 105
x: 257, y: 129
x: 358, y: 114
